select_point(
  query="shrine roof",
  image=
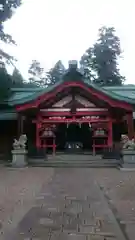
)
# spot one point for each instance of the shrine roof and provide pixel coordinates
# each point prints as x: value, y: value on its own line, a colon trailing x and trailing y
x: 126, y: 92
x: 8, y: 115
x: 24, y: 95
x: 19, y: 96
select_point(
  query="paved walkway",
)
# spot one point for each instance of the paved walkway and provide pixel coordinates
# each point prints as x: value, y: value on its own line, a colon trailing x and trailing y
x: 74, y: 205
x: 18, y: 189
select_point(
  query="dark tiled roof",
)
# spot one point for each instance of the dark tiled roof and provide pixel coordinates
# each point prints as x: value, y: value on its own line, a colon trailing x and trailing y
x: 124, y: 93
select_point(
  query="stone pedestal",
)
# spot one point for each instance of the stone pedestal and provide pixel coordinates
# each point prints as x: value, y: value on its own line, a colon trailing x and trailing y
x: 19, y: 158
x: 128, y: 160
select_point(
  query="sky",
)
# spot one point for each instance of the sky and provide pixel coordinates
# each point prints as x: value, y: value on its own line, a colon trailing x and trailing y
x: 49, y: 30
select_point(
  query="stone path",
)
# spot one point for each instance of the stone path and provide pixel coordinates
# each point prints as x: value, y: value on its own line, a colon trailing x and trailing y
x: 72, y: 206
x: 18, y: 189
x: 119, y: 190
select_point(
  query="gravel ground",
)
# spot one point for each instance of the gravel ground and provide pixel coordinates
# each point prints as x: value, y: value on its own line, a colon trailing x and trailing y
x: 72, y: 206
x: 119, y: 189
x: 18, y: 190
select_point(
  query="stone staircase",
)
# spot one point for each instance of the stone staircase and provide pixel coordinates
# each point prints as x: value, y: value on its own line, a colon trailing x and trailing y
x: 73, y: 160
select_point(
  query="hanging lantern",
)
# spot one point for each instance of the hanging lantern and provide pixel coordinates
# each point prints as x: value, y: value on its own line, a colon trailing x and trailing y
x: 54, y: 126
x: 89, y: 125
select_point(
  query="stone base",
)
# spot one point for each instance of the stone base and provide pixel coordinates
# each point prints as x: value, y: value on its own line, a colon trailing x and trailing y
x: 19, y: 158
x: 128, y: 161
x: 37, y: 161
x: 127, y: 169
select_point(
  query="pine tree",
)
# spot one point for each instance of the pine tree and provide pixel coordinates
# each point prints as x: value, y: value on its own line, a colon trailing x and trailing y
x: 17, y: 79
x: 87, y: 65
x: 37, y: 75
x: 56, y: 73
x: 6, y: 10
x: 5, y: 83
x: 102, y: 59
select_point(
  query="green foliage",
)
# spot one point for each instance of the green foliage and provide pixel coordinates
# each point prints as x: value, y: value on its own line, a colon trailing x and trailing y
x: 87, y: 65
x: 5, y: 83
x: 17, y: 79
x: 100, y: 62
x: 7, y: 58
x: 55, y: 74
x: 36, y: 72
x: 38, y: 77
x: 7, y: 8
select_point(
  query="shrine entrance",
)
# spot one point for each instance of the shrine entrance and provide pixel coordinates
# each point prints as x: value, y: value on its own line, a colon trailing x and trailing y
x: 74, y: 137
x: 74, y: 133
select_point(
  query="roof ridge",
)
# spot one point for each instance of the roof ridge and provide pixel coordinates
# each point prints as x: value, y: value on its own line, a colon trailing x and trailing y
x: 110, y: 93
x: 36, y: 94
x: 25, y: 89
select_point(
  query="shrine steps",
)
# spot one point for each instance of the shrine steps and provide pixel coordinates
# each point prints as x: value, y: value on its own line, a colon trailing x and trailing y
x: 74, y: 160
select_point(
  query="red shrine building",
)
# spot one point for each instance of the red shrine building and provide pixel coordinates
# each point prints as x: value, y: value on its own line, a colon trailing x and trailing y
x: 72, y: 114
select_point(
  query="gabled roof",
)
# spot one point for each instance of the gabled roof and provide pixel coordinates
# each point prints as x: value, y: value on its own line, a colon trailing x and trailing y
x: 23, y: 95
x: 127, y: 91
x: 73, y: 77
x: 27, y: 95
x: 8, y: 115
x: 20, y: 96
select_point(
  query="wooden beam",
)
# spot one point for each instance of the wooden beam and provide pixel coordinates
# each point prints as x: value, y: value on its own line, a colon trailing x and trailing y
x: 20, y: 124
x: 78, y: 113
x: 130, y: 125
x: 101, y: 96
x: 72, y: 120
x: 64, y: 121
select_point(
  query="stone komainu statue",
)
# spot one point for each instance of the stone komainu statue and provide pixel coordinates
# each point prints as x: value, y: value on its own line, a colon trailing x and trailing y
x: 21, y: 143
x: 127, y: 144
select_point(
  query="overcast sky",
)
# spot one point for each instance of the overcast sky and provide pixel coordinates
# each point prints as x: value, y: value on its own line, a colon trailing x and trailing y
x: 49, y: 30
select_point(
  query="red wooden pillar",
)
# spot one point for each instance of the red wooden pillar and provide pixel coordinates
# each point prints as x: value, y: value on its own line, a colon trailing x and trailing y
x: 130, y: 125
x: 38, y: 126
x: 54, y: 147
x: 110, y: 137
x: 20, y: 124
x: 37, y: 135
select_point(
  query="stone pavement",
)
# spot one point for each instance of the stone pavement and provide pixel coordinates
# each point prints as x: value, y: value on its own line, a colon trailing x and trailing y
x: 119, y: 190
x: 72, y: 206
x: 18, y: 189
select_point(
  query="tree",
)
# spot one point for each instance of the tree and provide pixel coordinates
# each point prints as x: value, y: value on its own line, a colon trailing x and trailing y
x: 36, y: 72
x: 7, y: 8
x: 102, y: 58
x: 17, y: 79
x: 55, y: 74
x: 5, y: 83
x: 87, y: 65
x: 107, y: 51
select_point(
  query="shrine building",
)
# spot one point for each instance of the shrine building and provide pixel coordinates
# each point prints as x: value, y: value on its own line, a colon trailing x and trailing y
x: 72, y: 114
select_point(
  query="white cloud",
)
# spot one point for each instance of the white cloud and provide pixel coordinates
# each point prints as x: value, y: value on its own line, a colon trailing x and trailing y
x: 49, y: 30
